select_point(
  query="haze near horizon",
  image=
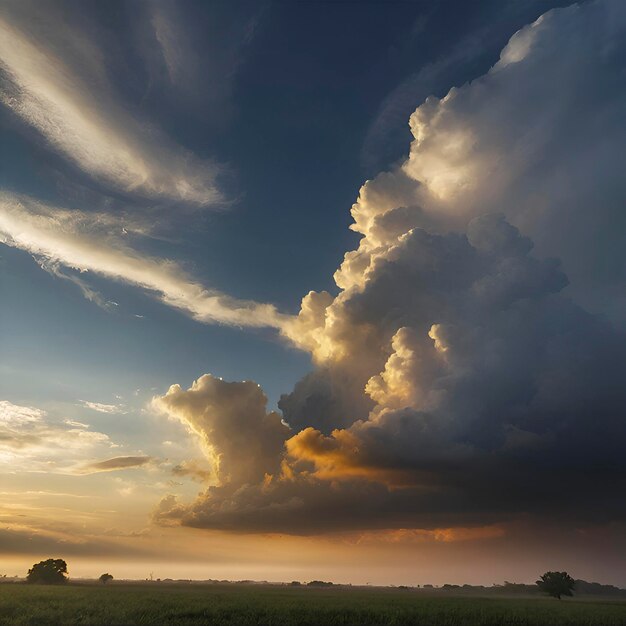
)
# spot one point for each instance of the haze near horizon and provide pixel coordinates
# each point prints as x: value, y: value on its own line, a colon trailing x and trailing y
x: 313, y: 290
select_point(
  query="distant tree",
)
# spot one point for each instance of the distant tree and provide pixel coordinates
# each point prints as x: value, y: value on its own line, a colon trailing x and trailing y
x: 582, y: 586
x: 557, y: 584
x: 49, y: 572
x: 105, y: 578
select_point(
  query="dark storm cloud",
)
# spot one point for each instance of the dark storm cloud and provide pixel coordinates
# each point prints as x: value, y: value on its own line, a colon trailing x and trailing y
x: 462, y: 375
x: 501, y: 398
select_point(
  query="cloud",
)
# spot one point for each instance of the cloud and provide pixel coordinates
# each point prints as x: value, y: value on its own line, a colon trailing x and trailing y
x: 90, y: 294
x: 23, y: 540
x: 75, y: 424
x: 452, y: 63
x: 184, y: 49
x: 513, y: 142
x: 102, y: 408
x: 479, y: 399
x: 13, y: 414
x: 172, y: 42
x: 88, y: 243
x: 242, y: 441
x: 464, y: 377
x: 115, y: 464
x: 33, y: 441
x: 444, y: 535
x: 55, y: 80
x: 194, y: 469
x: 55, y: 76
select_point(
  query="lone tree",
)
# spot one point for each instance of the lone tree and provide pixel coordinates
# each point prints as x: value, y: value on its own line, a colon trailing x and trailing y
x: 49, y: 572
x: 556, y: 584
x: 105, y: 578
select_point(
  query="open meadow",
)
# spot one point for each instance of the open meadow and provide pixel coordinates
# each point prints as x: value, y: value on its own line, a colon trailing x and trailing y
x: 178, y: 604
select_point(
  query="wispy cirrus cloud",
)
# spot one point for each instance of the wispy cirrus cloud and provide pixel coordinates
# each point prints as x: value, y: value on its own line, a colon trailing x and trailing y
x: 79, y: 241
x: 55, y: 77
x: 62, y: 92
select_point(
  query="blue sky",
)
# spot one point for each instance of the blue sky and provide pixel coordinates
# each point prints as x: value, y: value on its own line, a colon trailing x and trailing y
x: 292, y: 106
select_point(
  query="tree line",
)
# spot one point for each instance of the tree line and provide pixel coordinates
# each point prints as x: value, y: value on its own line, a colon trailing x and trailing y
x: 54, y: 572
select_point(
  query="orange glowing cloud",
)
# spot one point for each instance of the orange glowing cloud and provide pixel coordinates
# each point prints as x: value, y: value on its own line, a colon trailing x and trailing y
x: 334, y: 457
x: 440, y: 535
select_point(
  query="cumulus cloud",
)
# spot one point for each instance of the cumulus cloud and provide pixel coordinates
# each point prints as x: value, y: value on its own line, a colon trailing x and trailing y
x: 242, y: 441
x: 528, y: 139
x: 55, y: 80
x: 464, y: 377
x: 89, y: 243
x: 510, y: 142
x: 13, y: 414
x: 194, y: 469
x: 479, y: 399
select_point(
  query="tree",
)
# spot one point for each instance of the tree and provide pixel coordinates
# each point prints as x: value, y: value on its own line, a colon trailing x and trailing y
x: 49, y: 572
x: 556, y: 584
x: 105, y: 578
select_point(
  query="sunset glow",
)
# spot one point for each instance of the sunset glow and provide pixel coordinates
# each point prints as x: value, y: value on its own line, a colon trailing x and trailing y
x: 313, y: 291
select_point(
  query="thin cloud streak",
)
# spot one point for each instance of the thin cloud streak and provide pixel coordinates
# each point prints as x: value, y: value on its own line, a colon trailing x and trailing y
x: 67, y: 238
x: 115, y: 464
x: 101, y: 407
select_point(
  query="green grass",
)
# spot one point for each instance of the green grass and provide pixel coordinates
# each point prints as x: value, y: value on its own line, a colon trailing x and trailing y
x: 241, y: 605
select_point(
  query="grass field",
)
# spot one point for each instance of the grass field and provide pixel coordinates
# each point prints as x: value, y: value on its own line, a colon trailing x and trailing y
x: 240, y: 605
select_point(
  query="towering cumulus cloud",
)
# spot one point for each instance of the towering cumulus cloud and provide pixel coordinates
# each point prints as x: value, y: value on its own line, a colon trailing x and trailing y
x: 463, y: 375
x: 241, y: 439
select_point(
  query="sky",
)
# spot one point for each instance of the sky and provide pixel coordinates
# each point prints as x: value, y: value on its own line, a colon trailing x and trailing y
x: 313, y: 289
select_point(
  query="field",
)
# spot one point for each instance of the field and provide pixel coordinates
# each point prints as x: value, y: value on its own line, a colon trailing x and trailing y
x: 239, y: 605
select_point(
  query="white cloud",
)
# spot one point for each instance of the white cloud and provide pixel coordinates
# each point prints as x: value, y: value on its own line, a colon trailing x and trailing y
x: 32, y: 441
x: 102, y: 408
x: 82, y: 242
x: 61, y: 90
x: 171, y: 41
x: 13, y: 414
x: 540, y: 138
x: 76, y: 424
